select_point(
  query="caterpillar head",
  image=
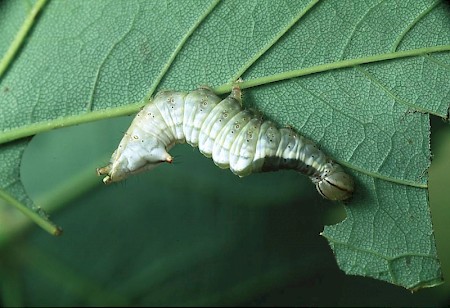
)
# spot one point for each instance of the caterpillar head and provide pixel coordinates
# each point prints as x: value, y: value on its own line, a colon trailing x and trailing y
x: 334, y: 184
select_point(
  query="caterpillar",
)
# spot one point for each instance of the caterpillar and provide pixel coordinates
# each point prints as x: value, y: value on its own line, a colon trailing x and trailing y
x: 234, y: 137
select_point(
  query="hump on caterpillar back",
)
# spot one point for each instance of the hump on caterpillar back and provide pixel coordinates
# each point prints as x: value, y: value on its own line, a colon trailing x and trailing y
x: 334, y: 184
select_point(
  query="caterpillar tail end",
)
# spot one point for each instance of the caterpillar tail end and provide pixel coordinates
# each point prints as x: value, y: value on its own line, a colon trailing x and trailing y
x: 105, y: 171
x: 107, y: 180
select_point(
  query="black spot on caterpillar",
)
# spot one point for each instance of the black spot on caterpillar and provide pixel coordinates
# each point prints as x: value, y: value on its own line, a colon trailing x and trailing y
x: 234, y: 137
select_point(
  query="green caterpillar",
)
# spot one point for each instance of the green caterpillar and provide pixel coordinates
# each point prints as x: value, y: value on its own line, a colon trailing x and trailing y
x: 234, y: 137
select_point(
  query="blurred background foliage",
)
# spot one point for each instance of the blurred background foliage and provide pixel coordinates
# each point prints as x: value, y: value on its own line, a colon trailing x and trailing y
x: 187, y: 233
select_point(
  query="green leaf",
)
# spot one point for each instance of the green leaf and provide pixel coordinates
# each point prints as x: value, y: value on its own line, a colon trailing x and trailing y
x: 359, y: 78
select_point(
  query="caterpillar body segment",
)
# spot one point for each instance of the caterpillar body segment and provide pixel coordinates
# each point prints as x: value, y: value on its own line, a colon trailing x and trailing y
x: 234, y: 137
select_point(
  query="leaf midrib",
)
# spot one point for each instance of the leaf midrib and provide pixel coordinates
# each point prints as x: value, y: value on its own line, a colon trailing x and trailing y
x: 127, y: 109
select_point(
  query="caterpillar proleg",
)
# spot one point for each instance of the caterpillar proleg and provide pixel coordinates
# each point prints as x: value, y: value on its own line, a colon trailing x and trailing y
x: 234, y: 137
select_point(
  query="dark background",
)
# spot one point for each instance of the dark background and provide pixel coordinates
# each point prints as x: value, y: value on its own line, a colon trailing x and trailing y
x: 188, y: 233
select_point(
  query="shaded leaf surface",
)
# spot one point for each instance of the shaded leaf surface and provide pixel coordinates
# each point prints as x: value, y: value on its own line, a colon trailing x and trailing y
x: 102, y: 54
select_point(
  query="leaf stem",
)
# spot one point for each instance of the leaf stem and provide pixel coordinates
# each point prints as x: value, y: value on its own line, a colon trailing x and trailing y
x: 129, y: 109
x: 51, y: 201
x: 20, y: 36
x: 35, y: 128
x: 332, y: 66
x: 41, y: 221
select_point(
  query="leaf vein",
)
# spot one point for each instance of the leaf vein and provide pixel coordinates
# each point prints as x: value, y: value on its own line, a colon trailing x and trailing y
x: 178, y: 48
x: 393, y: 95
x: 90, y: 103
x: 380, y: 255
x: 275, y: 39
x: 412, y: 24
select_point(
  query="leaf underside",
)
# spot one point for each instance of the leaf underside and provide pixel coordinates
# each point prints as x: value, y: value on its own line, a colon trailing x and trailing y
x: 373, y: 118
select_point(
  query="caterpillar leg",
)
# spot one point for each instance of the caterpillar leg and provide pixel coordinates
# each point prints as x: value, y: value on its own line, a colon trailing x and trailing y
x: 205, y: 87
x: 236, y: 93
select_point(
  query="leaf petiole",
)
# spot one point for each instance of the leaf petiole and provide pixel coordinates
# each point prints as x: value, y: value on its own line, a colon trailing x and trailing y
x: 41, y: 221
